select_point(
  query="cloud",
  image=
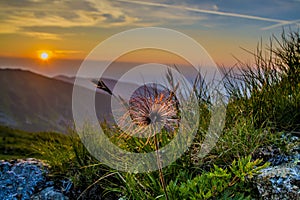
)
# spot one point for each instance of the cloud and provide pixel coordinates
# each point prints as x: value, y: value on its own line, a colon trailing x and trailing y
x: 19, y: 16
x: 212, y: 12
x: 64, y: 52
x: 282, y: 24
x: 15, y: 15
x: 112, y: 19
x: 148, y: 15
x: 44, y: 36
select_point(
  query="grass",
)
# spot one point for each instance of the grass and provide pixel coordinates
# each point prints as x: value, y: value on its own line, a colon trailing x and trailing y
x: 264, y: 101
x: 269, y: 91
x: 16, y: 144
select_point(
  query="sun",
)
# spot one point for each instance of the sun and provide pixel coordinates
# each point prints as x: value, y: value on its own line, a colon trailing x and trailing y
x: 44, y: 56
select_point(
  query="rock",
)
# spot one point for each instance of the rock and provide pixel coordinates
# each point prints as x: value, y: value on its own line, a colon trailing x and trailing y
x: 49, y: 193
x: 281, y: 181
x: 21, y: 179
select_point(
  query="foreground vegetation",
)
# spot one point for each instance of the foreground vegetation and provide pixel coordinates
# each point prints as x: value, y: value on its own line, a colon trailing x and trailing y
x: 263, y: 103
x: 15, y: 144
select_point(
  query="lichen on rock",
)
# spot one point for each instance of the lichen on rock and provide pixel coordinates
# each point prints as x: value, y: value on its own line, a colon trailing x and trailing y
x: 281, y: 181
x: 25, y: 179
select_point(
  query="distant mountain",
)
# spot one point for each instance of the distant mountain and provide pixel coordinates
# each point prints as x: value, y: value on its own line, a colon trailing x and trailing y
x: 91, y: 83
x: 64, y: 78
x: 33, y: 102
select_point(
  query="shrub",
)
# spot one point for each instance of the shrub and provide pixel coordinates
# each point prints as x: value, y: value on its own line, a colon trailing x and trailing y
x: 230, y: 181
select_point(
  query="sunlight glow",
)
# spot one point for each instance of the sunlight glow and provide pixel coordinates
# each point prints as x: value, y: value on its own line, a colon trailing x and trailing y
x: 44, y: 55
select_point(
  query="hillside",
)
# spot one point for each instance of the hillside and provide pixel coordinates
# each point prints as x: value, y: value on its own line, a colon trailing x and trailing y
x: 33, y: 102
x: 19, y: 144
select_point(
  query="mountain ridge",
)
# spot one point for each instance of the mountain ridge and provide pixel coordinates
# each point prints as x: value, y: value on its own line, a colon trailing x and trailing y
x: 33, y: 102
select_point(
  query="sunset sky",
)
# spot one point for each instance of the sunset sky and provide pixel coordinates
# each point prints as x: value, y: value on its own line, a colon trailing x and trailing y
x: 67, y: 30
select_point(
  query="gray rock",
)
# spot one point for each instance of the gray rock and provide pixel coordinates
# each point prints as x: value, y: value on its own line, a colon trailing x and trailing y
x: 20, y: 179
x: 49, y: 193
x: 281, y: 181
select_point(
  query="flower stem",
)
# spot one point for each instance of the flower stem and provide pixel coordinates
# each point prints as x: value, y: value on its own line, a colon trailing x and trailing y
x: 161, y: 175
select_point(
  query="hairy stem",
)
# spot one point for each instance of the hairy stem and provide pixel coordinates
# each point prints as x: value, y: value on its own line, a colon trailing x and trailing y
x: 161, y: 175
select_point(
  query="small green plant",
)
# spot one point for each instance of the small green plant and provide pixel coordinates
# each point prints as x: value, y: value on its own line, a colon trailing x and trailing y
x: 217, y: 181
x: 241, y: 140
